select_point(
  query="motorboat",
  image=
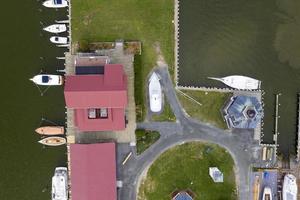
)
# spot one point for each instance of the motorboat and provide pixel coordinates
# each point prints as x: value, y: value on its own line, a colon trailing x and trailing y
x: 239, y: 82
x: 267, y: 194
x: 50, y: 130
x: 59, y: 40
x: 289, y: 189
x: 47, y: 79
x: 53, y: 141
x: 155, y: 93
x: 56, y: 28
x: 55, y: 3
x: 60, y: 184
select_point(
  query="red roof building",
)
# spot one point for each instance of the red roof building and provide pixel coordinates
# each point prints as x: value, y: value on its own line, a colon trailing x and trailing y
x: 93, y: 171
x: 98, y: 100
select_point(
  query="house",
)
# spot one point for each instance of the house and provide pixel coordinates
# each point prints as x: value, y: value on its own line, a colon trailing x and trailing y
x: 98, y: 95
x: 244, y: 112
x: 93, y: 171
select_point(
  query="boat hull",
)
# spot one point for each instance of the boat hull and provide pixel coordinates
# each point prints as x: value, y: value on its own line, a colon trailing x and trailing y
x: 50, y: 4
x: 50, y: 130
x: 60, y: 184
x: 56, y: 28
x: 289, y: 189
x: 53, y: 141
x: 240, y: 82
x: 155, y: 93
x: 47, y: 79
x: 59, y: 40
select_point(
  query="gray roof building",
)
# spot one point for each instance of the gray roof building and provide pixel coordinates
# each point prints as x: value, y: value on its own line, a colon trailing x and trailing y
x: 243, y: 112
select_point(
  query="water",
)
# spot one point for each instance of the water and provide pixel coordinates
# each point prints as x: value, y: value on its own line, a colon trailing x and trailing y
x: 254, y: 38
x: 27, y: 167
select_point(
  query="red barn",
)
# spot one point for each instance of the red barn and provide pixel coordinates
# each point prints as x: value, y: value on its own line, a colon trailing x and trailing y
x: 99, y: 100
x: 93, y: 171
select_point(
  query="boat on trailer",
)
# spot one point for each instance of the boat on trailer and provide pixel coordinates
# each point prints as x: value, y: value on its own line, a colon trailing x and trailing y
x: 55, y: 3
x: 267, y: 194
x: 56, y: 28
x: 155, y: 93
x: 50, y: 130
x: 59, y: 40
x: 60, y: 184
x: 47, y: 79
x: 239, y: 82
x: 289, y: 189
x: 53, y: 141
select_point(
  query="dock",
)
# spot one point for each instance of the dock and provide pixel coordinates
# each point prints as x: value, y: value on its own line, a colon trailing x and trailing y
x: 298, y: 132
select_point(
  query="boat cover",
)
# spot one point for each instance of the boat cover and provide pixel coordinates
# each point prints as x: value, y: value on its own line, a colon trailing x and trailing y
x: 57, y: 2
x: 45, y: 79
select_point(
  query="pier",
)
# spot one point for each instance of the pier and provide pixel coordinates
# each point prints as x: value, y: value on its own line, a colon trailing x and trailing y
x: 298, y: 131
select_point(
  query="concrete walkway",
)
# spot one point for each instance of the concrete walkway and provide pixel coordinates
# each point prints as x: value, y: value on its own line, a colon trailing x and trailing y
x: 241, y: 145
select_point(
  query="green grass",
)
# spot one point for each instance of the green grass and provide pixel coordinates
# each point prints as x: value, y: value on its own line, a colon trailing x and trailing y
x: 149, y: 21
x: 210, y: 110
x: 139, y: 89
x: 186, y: 167
x: 166, y: 115
x: 145, y: 139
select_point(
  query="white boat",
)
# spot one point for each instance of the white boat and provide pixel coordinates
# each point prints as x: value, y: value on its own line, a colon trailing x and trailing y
x: 56, y: 28
x: 55, y: 3
x: 47, y: 79
x: 60, y: 184
x: 267, y: 194
x: 155, y: 94
x: 239, y: 82
x: 289, y: 189
x: 59, y: 40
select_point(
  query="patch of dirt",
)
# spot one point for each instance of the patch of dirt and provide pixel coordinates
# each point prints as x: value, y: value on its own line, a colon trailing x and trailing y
x: 160, y: 58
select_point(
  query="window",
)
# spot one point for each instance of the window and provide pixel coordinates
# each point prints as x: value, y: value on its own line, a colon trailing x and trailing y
x: 97, y: 113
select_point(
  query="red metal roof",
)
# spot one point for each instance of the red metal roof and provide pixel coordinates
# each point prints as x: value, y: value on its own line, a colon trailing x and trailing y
x: 95, y: 91
x: 93, y: 171
x: 115, y: 120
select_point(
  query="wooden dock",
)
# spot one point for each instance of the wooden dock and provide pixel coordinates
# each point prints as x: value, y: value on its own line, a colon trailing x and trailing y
x: 298, y: 134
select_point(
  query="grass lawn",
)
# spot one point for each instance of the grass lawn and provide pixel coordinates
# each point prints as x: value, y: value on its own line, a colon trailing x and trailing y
x: 186, y: 167
x: 210, y: 110
x: 166, y: 115
x: 149, y: 21
x: 144, y: 139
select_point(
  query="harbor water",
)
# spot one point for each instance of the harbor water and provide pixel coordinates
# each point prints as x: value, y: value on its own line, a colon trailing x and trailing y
x: 254, y: 38
x: 26, y: 166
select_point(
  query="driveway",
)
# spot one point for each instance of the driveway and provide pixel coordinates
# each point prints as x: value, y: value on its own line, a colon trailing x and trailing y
x: 240, y: 145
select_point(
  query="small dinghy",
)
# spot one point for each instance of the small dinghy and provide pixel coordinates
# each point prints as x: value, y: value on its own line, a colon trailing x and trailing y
x: 155, y: 94
x: 53, y: 141
x: 55, y: 3
x: 56, y: 28
x: 59, y: 40
x: 239, y: 82
x: 60, y: 184
x: 50, y: 130
x: 47, y: 79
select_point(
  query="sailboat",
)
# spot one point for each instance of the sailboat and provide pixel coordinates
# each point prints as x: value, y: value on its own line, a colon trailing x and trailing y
x: 239, y: 82
x: 56, y: 28
x: 155, y: 94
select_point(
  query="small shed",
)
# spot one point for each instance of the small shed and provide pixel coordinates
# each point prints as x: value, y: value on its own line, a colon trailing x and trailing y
x: 216, y: 174
x: 182, y: 195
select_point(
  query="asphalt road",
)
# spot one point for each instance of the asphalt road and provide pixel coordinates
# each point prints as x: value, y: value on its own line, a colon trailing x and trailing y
x: 239, y: 144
